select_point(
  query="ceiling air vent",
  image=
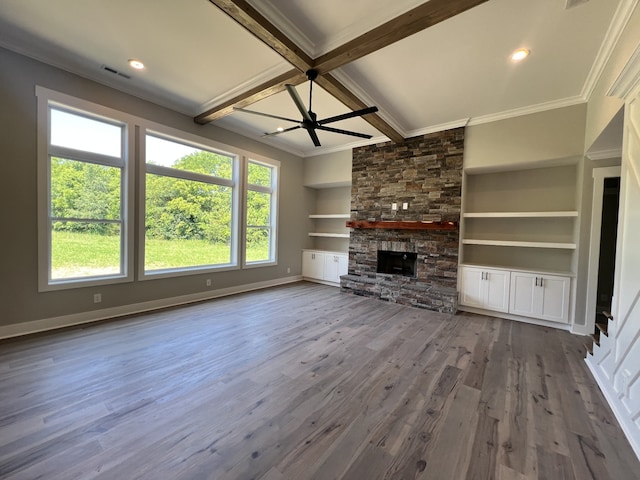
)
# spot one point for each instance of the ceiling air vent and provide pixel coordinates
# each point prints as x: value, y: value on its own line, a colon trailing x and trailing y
x: 115, y: 72
x: 574, y: 3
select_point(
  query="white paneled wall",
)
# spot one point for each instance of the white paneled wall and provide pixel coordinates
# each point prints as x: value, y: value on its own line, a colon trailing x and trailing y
x: 616, y: 363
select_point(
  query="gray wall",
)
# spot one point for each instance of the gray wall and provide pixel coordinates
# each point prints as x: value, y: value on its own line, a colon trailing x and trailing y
x: 20, y: 300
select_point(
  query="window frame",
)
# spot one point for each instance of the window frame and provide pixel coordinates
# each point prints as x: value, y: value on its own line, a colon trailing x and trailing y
x: 194, y: 141
x: 274, y: 191
x: 46, y: 100
x: 133, y: 186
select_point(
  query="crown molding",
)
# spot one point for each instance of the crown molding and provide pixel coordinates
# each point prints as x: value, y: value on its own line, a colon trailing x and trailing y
x: 518, y: 112
x: 264, y: 76
x: 628, y: 78
x: 620, y: 20
x: 286, y: 26
x: 463, y: 122
x: 604, y: 154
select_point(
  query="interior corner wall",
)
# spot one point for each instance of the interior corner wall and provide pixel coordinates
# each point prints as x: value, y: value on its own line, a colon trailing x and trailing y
x: 602, y: 108
x: 328, y: 170
x: 528, y: 141
x: 20, y: 300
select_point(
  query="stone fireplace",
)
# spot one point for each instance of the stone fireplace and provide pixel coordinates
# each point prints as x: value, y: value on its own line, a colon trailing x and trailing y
x: 425, y: 173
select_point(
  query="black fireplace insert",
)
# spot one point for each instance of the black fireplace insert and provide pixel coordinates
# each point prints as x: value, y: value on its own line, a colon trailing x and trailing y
x: 398, y: 263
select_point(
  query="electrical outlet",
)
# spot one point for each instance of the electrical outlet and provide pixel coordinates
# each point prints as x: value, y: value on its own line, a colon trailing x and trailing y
x: 208, y: 282
x: 405, y: 206
x: 394, y: 206
x: 288, y: 270
x: 97, y: 297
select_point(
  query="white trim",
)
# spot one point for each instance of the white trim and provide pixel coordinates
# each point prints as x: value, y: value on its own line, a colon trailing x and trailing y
x: 517, y: 318
x: 266, y: 75
x: 53, y: 323
x: 628, y: 79
x: 616, y: 27
x: 605, y: 154
x: 517, y: 112
x: 45, y: 100
x: 599, y: 175
x: 619, y: 410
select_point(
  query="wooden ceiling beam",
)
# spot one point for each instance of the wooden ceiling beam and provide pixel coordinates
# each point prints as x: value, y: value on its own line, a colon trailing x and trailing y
x: 342, y: 93
x: 260, y: 92
x: 415, y: 20
x: 250, y: 19
x: 403, y: 26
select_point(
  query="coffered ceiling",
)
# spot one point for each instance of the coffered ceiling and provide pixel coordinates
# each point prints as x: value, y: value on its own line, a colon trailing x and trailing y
x: 200, y: 60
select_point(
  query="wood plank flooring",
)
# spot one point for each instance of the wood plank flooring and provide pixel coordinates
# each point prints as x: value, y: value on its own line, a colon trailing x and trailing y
x: 304, y: 382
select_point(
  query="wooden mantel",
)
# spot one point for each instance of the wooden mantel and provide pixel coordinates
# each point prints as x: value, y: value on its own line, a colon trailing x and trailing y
x: 393, y: 225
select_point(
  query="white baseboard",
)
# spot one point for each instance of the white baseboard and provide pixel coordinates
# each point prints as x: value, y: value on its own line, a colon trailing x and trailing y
x: 517, y: 318
x: 628, y: 427
x: 53, y: 323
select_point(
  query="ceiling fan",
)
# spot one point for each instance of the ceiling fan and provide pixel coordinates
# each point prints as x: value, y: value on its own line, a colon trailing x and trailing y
x: 310, y: 120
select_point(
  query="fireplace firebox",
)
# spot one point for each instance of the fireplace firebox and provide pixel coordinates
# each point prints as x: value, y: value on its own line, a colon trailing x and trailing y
x: 397, y: 263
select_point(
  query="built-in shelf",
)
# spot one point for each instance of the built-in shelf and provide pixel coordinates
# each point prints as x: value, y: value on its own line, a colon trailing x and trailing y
x: 327, y: 234
x: 393, y: 225
x: 567, y: 213
x: 330, y: 215
x: 512, y: 243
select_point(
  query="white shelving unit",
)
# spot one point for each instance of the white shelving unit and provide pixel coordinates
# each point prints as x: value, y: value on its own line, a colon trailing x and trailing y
x: 331, y: 215
x: 523, y: 223
x: 333, y: 225
x: 570, y: 213
x: 511, y: 243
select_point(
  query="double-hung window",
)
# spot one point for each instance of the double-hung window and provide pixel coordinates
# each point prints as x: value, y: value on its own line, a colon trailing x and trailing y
x: 261, y: 208
x: 83, y: 197
x: 190, y: 207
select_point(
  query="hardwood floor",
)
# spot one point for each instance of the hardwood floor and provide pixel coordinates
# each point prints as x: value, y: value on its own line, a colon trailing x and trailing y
x: 303, y: 382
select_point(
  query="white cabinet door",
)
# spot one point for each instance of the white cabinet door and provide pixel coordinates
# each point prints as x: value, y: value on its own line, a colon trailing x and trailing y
x: 471, y: 291
x: 556, y: 294
x: 540, y: 296
x: 331, y: 268
x: 313, y: 265
x: 484, y: 288
x: 523, y: 299
x: 334, y: 266
x: 497, y: 290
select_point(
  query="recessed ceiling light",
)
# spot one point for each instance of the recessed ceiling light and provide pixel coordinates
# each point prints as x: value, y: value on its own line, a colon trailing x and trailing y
x: 520, y: 54
x: 137, y: 64
x: 280, y: 129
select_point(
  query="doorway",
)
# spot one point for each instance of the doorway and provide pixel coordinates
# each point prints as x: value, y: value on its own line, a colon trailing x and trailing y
x: 608, y: 237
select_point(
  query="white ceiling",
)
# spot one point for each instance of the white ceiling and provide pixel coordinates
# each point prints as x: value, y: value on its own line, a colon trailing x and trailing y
x: 453, y: 73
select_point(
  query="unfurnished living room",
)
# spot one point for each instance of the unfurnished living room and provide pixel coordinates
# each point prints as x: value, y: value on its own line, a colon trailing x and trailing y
x: 290, y: 240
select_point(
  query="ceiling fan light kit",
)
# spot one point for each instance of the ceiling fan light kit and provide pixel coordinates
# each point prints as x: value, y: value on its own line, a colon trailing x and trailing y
x: 310, y: 120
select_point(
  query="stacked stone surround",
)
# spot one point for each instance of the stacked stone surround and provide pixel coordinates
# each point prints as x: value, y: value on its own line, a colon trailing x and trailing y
x: 426, y: 173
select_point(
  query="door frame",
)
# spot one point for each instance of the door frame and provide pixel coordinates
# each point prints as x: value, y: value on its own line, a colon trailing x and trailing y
x: 599, y: 176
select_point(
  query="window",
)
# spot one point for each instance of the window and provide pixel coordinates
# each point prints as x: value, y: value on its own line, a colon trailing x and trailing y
x: 203, y: 206
x: 190, y: 206
x: 83, y: 205
x: 261, y: 208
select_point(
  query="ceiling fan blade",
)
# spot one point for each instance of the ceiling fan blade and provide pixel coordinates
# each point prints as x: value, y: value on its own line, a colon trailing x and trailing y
x: 344, y: 116
x: 278, y: 132
x: 343, y: 132
x: 298, y: 101
x: 238, y: 109
x: 314, y: 137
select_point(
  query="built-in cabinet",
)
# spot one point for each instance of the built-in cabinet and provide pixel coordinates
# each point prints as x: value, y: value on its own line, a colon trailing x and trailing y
x: 324, y: 266
x: 327, y: 258
x: 540, y: 296
x: 484, y: 288
x: 524, y: 224
x: 525, y: 294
